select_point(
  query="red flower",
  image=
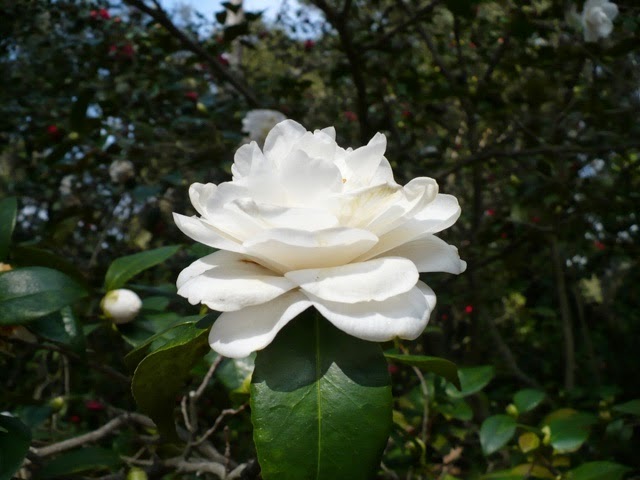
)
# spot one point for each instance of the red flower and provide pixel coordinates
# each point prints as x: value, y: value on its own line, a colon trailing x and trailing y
x: 53, y: 130
x: 392, y: 369
x: 193, y: 96
x: 223, y: 59
x: 104, y: 14
x: 93, y: 14
x: 407, y: 114
x: 535, y: 219
x: 504, y: 235
x: 599, y: 245
x: 128, y: 50
x: 74, y: 419
x: 444, y: 316
x: 350, y: 116
x: 468, y: 309
x: 490, y: 212
x: 113, y: 49
x: 309, y: 44
x: 94, y: 405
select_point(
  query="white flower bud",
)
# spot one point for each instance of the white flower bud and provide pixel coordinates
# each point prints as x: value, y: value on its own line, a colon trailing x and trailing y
x: 121, y: 305
x: 121, y: 171
x: 597, y: 19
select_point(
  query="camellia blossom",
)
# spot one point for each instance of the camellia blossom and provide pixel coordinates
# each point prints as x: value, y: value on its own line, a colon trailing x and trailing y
x: 258, y: 123
x: 597, y: 19
x: 307, y: 223
x: 121, y: 305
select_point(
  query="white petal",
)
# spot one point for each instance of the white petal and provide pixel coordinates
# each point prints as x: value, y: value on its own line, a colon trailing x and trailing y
x: 232, y: 283
x: 431, y: 254
x: 281, y: 139
x: 318, y: 145
x: 249, y: 160
x: 273, y: 216
x: 403, y: 316
x: 237, y: 334
x: 362, y: 164
x: 207, y: 234
x: 330, y: 132
x: 375, y: 280
x: 610, y: 9
x: 297, y: 249
x: 441, y: 213
x: 200, y: 195
x: 308, y: 179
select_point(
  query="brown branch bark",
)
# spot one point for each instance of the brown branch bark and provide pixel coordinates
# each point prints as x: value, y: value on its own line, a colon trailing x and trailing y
x: 216, y: 67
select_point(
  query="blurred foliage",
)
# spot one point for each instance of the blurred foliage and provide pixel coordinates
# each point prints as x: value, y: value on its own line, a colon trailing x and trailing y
x: 534, y: 130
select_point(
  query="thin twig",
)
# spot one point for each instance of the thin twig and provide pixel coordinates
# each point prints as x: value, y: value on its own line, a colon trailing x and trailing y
x: 218, y: 421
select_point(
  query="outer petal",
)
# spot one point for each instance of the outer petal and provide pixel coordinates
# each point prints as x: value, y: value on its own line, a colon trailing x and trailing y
x: 375, y: 280
x: 431, y: 254
x: 231, y: 283
x: 207, y: 234
x: 291, y: 249
x: 200, y: 195
x: 237, y: 334
x: 403, y: 316
x: 435, y: 217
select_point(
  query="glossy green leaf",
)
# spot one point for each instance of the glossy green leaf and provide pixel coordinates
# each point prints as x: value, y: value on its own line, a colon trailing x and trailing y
x: 631, y: 407
x: 61, y: 327
x: 528, y: 399
x: 440, y: 366
x: 598, y: 471
x: 28, y: 256
x: 15, y: 439
x: 472, y: 380
x: 124, y: 269
x: 320, y: 404
x: 161, y: 375
x: 32, y: 292
x: 8, y: 211
x: 495, y: 433
x: 78, y: 461
x: 570, y: 429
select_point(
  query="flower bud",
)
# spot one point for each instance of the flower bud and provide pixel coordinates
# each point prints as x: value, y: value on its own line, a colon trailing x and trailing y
x: 121, y: 305
x: 121, y: 171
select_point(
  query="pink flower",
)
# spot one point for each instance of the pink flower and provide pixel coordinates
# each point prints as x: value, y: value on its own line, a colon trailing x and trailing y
x: 191, y: 95
x: 94, y: 405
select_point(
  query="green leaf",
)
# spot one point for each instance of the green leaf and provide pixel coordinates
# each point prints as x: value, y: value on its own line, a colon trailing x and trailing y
x: 234, y: 371
x: 160, y: 376
x: 439, y: 366
x: 495, y: 433
x: 321, y: 404
x: 569, y: 429
x: 82, y: 460
x: 472, y: 380
x: 528, y: 399
x: 124, y: 269
x: 631, y: 407
x: 27, y: 256
x: 61, y: 327
x: 15, y: 439
x: 8, y: 210
x: 598, y: 471
x: 32, y: 292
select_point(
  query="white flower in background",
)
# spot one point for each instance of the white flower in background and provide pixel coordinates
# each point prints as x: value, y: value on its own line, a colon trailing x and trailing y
x: 258, y: 123
x: 121, y: 305
x: 307, y: 223
x: 121, y: 171
x: 597, y: 19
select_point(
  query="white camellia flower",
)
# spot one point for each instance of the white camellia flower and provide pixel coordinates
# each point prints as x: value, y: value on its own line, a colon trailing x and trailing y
x: 121, y: 305
x: 597, y: 19
x: 307, y: 223
x: 258, y: 123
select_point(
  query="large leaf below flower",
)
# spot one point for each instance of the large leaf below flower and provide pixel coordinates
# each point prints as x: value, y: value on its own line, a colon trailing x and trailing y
x: 15, y: 439
x: 320, y: 403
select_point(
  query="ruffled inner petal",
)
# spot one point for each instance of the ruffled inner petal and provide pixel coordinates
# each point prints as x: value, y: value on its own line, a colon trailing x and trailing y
x: 291, y: 249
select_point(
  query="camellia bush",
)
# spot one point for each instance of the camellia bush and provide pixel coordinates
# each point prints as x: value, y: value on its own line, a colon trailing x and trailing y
x: 227, y: 243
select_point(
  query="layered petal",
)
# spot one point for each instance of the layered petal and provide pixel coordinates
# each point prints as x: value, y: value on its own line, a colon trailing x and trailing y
x: 289, y: 249
x: 405, y: 315
x: 375, y: 280
x: 205, y: 233
x: 282, y: 139
x: 237, y: 334
x: 227, y: 282
x: 431, y: 254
